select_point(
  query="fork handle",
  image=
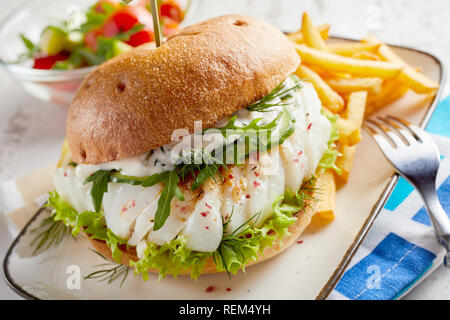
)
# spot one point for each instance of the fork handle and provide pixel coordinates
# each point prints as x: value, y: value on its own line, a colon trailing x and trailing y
x: 439, y: 219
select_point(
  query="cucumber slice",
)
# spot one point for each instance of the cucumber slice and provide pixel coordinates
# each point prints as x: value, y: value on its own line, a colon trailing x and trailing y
x: 73, y: 39
x: 120, y: 47
x: 53, y: 40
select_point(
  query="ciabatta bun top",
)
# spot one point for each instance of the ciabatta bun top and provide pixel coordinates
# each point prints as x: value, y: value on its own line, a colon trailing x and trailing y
x: 132, y: 103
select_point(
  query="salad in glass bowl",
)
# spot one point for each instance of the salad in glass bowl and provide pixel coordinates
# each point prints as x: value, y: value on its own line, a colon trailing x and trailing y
x: 50, y: 46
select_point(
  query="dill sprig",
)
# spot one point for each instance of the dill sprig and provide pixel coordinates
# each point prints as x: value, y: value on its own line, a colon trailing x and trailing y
x: 266, y: 103
x: 232, y: 245
x: 50, y: 233
x: 111, y: 272
x: 307, y: 193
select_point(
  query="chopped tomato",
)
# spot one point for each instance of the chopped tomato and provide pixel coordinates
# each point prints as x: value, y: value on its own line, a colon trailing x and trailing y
x: 99, y: 5
x: 90, y: 39
x: 171, y: 10
x: 127, y: 17
x: 140, y: 37
x: 47, y: 62
x: 110, y: 29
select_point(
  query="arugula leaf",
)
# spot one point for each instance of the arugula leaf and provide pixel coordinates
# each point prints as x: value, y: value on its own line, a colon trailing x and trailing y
x: 94, y: 18
x: 170, y: 190
x: 99, y: 181
x: 32, y: 48
x: 125, y: 36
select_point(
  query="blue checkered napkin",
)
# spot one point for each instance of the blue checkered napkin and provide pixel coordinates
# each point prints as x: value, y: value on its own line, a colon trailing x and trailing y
x: 400, y: 249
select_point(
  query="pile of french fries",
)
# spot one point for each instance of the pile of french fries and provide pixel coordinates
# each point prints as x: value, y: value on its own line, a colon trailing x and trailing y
x: 353, y: 80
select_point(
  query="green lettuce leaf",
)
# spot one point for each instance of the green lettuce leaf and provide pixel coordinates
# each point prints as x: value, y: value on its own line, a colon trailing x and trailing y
x: 235, y: 251
x: 171, y: 258
x: 331, y: 154
x: 90, y: 222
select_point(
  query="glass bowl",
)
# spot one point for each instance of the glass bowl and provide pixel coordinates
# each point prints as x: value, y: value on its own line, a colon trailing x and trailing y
x: 56, y: 86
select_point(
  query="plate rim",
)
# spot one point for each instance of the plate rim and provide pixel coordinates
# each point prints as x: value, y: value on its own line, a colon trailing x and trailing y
x: 352, y: 249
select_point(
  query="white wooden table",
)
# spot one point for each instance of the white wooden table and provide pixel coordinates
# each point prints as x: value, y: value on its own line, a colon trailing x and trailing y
x: 31, y: 131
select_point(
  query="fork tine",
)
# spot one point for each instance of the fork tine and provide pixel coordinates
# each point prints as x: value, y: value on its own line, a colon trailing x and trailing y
x: 405, y: 135
x: 404, y: 124
x: 386, y: 131
x: 424, y: 137
x: 382, y: 141
x: 418, y: 133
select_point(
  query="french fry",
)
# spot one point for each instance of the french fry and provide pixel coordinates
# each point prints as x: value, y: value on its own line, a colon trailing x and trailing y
x: 354, y: 113
x: 365, y: 68
x: 327, y: 204
x: 356, y: 107
x: 328, y: 73
x: 390, y: 92
x: 409, y: 76
x: 366, y: 55
x: 349, y: 49
x: 298, y: 37
x: 349, y: 132
x: 311, y: 34
x: 328, y: 96
x: 343, y: 86
x: 345, y: 162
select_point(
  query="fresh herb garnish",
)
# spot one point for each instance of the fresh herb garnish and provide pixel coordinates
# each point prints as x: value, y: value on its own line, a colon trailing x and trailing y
x: 170, y: 190
x: 110, y: 271
x: 50, y: 233
x: 100, y: 180
x: 231, y: 246
x: 267, y: 104
x: 199, y: 165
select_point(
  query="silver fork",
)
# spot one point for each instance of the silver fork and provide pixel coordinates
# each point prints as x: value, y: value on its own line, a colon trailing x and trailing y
x: 415, y: 156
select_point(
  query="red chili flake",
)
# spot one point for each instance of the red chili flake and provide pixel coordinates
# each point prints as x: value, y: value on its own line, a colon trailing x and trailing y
x: 204, y: 213
x: 295, y: 160
x: 256, y: 184
x: 208, y: 206
x: 271, y: 232
x: 183, y: 208
x: 124, y: 209
x: 207, y: 228
x: 247, y: 196
x: 133, y: 204
x: 210, y: 289
x: 256, y: 174
x: 248, y: 235
x: 65, y: 174
x: 300, y: 241
x: 228, y: 289
x: 300, y: 153
x: 230, y: 176
x: 309, y: 126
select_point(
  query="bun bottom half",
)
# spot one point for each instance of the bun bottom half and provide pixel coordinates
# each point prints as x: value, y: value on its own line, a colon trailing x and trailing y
x: 303, y: 220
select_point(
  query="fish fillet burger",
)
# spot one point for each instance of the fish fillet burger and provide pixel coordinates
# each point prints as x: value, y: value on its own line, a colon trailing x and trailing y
x: 201, y: 156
